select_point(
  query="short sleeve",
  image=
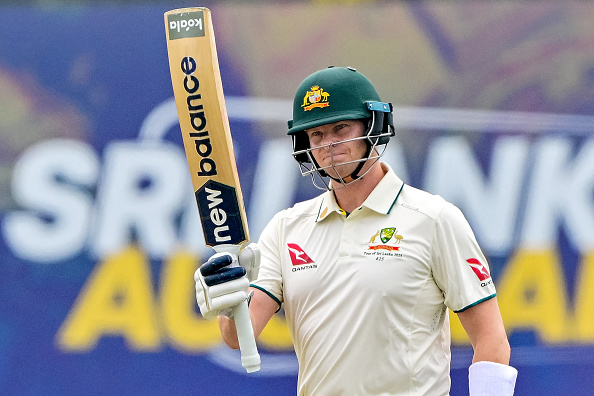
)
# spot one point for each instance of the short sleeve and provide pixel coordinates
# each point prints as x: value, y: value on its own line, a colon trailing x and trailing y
x: 270, y: 279
x: 459, y: 267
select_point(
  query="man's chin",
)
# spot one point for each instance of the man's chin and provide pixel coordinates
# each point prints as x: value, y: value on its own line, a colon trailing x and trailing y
x: 340, y: 171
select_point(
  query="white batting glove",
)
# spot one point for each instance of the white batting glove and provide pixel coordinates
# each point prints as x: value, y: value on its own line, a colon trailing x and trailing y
x: 222, y: 282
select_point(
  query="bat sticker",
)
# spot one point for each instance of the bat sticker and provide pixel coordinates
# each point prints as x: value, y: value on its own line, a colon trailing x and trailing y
x: 220, y: 214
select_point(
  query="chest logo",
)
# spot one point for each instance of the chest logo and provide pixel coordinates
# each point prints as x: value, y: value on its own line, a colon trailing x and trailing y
x: 386, y: 246
x: 298, y: 256
x: 389, y: 238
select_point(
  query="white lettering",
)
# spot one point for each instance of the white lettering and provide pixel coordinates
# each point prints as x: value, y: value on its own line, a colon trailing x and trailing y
x: 142, y: 190
x: 213, y: 197
x: 218, y: 216
x: 491, y: 206
x: 51, y: 180
x: 217, y: 234
x: 560, y: 190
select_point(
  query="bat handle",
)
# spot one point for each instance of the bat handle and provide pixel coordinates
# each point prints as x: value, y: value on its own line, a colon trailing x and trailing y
x: 250, y: 359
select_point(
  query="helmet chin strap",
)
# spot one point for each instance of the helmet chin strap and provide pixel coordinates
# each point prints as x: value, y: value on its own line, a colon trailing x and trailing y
x: 355, y: 174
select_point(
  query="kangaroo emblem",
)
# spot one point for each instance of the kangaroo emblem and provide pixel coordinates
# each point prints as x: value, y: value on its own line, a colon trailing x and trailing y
x: 372, y: 240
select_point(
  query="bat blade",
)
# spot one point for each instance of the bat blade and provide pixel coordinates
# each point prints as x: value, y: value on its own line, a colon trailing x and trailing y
x: 198, y: 91
x: 204, y: 123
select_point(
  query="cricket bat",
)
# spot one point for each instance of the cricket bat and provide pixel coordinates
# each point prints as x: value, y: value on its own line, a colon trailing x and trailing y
x: 204, y: 124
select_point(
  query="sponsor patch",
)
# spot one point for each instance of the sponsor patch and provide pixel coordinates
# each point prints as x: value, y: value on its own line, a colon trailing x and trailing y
x: 298, y: 256
x: 300, y: 259
x: 187, y: 24
x: 479, y: 269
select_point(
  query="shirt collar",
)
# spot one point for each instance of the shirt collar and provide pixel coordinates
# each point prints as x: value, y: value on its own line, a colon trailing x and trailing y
x: 384, y: 196
x: 328, y: 205
x: 381, y: 200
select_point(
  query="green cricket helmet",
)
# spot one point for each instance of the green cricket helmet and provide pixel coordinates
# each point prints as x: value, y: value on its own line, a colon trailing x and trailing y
x: 335, y: 94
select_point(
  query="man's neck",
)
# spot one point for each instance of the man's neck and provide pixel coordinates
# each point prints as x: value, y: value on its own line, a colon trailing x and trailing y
x: 353, y: 195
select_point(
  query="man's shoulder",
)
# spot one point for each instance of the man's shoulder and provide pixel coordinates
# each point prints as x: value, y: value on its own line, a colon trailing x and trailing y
x: 422, y: 201
x: 307, y: 208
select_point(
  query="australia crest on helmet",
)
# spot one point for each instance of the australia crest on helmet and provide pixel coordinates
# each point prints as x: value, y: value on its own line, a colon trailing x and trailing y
x: 315, y: 97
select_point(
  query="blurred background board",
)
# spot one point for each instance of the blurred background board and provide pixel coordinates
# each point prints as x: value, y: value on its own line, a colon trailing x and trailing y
x: 99, y: 235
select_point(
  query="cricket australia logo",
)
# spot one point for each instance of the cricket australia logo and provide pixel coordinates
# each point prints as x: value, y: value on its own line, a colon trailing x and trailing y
x: 387, y: 246
x: 316, y: 97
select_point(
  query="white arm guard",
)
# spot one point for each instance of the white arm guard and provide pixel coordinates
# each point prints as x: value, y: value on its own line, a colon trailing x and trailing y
x: 491, y: 379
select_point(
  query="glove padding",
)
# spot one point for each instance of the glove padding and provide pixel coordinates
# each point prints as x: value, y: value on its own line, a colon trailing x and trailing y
x: 222, y: 282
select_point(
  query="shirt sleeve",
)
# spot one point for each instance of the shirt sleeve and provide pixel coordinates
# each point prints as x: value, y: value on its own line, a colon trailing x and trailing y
x: 459, y: 266
x: 270, y: 279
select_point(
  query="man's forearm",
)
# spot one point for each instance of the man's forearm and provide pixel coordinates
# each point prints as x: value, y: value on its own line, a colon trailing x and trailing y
x: 228, y: 331
x: 492, y: 349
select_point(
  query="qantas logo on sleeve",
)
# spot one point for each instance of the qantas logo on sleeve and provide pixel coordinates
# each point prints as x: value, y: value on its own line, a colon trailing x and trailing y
x: 479, y: 269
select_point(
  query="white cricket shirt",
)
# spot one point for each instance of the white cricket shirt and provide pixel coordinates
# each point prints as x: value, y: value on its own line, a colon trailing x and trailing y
x: 365, y: 296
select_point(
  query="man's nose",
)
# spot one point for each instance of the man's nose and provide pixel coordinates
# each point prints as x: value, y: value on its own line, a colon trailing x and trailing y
x: 330, y: 139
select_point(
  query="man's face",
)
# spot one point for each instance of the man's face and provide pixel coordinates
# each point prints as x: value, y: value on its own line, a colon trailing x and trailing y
x: 329, y: 148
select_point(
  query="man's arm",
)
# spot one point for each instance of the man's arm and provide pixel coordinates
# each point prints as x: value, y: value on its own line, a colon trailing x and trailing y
x: 490, y: 373
x: 484, y: 327
x: 262, y: 307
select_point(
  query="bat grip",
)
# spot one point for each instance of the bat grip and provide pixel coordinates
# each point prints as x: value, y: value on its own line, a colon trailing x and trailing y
x: 250, y: 359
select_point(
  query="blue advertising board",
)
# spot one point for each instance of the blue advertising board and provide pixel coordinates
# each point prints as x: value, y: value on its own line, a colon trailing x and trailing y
x: 99, y: 231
